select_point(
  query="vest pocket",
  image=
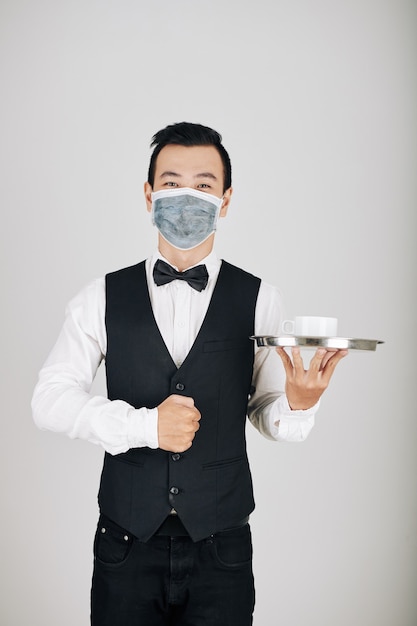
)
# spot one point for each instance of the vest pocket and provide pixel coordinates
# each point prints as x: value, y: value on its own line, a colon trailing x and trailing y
x: 223, y: 463
x: 128, y: 461
x: 226, y: 344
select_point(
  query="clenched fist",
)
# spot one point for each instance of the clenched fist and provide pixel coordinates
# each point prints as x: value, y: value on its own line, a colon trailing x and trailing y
x: 178, y: 422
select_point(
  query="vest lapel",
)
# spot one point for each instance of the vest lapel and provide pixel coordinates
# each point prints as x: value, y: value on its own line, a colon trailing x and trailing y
x: 214, y: 301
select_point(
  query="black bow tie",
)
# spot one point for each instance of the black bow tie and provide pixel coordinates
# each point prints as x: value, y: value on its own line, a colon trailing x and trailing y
x: 196, y: 277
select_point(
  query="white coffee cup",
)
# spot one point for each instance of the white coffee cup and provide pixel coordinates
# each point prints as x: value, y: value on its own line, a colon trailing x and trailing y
x: 311, y: 326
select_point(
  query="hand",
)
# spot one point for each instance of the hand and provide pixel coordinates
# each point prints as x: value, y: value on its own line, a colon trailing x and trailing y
x: 304, y: 388
x: 178, y: 422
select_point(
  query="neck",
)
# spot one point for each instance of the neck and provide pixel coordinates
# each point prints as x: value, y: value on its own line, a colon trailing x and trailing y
x: 183, y: 259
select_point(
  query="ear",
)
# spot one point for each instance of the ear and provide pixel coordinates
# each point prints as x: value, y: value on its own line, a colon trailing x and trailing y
x: 227, y: 196
x: 148, y: 190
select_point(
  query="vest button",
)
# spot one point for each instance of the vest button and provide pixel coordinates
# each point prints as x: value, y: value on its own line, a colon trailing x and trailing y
x: 174, y: 490
x: 176, y: 457
x: 179, y: 387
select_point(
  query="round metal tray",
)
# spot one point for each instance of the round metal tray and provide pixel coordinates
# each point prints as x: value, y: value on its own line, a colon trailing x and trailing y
x: 332, y: 343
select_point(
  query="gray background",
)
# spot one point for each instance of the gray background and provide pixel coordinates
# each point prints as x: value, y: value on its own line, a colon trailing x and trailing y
x: 316, y: 103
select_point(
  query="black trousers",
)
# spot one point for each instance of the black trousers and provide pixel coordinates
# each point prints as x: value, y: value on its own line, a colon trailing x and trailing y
x: 172, y: 580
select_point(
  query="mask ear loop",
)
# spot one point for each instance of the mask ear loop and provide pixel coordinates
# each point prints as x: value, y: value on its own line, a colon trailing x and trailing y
x: 216, y: 221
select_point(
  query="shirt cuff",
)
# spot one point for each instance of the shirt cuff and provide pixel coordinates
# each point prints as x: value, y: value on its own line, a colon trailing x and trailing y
x: 289, y: 425
x: 143, y: 428
x: 283, y: 408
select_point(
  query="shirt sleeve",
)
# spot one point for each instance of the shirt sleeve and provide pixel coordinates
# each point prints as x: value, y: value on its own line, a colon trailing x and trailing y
x: 268, y: 408
x: 62, y: 401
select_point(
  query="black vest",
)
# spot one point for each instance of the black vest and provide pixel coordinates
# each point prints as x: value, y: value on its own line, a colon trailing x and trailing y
x: 210, y: 484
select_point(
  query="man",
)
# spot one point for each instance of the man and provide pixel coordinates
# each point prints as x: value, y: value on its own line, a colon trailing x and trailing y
x: 173, y: 542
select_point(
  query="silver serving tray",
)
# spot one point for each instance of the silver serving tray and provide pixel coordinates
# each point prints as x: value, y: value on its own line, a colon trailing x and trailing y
x: 332, y: 343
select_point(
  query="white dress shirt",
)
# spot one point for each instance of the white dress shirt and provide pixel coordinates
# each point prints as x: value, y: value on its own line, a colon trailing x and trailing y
x: 62, y: 401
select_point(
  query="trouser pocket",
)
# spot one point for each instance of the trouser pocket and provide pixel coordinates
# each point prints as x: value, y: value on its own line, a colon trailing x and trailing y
x: 112, y: 544
x: 233, y: 548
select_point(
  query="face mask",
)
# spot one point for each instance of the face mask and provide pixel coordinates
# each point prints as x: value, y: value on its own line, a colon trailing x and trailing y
x: 185, y: 217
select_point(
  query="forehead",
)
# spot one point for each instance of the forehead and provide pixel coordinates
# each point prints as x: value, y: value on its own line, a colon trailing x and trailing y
x: 189, y: 160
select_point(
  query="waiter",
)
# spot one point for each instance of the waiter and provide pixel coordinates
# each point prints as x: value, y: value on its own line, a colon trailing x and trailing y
x: 173, y: 543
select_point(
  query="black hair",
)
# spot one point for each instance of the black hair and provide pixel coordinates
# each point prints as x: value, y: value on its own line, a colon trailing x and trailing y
x: 188, y: 134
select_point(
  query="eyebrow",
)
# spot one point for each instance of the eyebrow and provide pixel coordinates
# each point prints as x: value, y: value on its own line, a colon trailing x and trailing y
x: 206, y: 175
x: 170, y: 174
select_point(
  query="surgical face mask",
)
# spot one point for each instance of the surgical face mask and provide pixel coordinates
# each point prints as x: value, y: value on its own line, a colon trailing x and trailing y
x: 185, y: 217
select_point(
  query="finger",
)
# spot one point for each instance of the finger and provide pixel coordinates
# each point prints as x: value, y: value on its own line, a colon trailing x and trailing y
x: 183, y: 400
x: 297, y: 360
x: 197, y: 416
x: 317, y: 360
x: 327, y: 357
x: 332, y: 362
x: 184, y: 447
x: 286, y: 361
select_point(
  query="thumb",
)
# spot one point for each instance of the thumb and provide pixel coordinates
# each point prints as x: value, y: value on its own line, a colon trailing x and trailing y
x: 183, y: 400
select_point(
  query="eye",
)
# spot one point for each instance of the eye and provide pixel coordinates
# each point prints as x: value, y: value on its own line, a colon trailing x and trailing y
x: 171, y: 183
x: 203, y: 186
